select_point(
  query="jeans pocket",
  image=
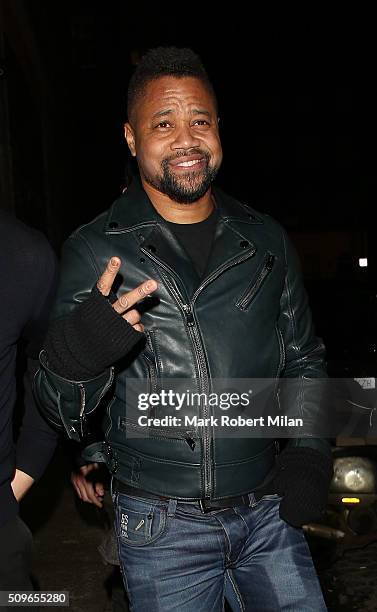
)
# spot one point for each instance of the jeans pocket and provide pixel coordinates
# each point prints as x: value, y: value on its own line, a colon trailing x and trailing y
x: 139, y: 522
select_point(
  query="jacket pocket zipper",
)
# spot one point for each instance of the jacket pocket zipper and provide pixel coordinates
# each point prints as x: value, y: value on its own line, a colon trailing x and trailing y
x: 282, y: 351
x: 150, y: 359
x: 151, y: 369
x: 245, y: 300
x: 189, y: 436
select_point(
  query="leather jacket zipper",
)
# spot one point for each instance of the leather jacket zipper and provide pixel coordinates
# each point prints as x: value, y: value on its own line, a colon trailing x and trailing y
x: 193, y: 331
x: 201, y: 362
x: 244, y: 302
x: 152, y: 370
x: 188, y: 436
x: 204, y: 388
x: 282, y: 352
x: 222, y: 269
x: 152, y: 375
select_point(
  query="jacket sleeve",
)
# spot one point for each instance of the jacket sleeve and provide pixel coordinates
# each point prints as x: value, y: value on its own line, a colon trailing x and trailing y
x: 66, y: 403
x: 303, y: 388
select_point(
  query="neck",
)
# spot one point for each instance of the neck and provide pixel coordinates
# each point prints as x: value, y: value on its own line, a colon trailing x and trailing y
x: 179, y: 213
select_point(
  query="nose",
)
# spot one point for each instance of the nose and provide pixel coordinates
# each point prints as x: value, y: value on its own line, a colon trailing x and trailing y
x: 184, y: 138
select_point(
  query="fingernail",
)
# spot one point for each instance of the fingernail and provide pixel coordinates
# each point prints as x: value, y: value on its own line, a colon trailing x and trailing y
x: 149, y: 286
x: 114, y: 261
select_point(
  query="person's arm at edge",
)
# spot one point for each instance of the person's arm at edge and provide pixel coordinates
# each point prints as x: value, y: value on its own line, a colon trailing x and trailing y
x: 36, y: 434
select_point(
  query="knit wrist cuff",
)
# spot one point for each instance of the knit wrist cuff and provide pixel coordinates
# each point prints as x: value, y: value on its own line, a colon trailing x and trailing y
x: 90, y: 339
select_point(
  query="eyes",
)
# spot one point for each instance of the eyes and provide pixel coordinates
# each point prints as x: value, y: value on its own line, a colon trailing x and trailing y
x: 165, y: 125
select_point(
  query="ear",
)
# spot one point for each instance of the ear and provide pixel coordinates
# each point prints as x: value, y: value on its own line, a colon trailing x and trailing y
x: 130, y: 137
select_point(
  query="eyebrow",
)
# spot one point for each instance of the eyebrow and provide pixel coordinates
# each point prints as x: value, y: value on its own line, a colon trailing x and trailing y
x: 168, y: 111
x: 161, y: 113
x: 200, y: 111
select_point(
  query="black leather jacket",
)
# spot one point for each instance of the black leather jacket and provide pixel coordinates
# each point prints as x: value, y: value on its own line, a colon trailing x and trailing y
x: 248, y: 318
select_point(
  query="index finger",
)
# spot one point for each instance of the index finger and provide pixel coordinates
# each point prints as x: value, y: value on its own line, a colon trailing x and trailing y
x: 107, y: 278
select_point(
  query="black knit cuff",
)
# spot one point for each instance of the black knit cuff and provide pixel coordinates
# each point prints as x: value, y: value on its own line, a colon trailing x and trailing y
x: 90, y: 339
x: 303, y: 481
x: 306, y: 462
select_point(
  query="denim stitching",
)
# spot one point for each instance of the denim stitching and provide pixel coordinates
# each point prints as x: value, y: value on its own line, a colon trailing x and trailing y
x: 241, y: 517
x: 236, y: 590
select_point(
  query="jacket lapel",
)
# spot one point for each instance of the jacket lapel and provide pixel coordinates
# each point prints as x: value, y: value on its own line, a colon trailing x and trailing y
x: 231, y: 241
x: 133, y: 212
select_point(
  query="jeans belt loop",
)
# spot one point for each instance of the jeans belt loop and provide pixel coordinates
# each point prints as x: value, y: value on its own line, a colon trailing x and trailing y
x: 172, y: 506
x: 251, y: 499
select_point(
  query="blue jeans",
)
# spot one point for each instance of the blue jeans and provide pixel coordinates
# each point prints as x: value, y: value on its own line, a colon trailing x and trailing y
x: 175, y: 558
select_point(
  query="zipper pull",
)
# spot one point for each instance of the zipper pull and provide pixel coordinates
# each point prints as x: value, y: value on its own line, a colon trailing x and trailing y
x: 189, y: 316
x: 190, y: 442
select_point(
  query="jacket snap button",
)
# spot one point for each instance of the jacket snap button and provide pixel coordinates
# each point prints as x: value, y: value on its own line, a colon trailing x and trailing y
x: 151, y: 248
x: 113, y: 225
x: 244, y: 244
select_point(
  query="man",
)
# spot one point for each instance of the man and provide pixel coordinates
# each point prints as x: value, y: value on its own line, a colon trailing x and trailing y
x: 27, y: 278
x: 194, y: 523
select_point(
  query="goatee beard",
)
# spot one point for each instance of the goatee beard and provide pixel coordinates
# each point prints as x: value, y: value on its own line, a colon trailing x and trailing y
x: 187, y: 188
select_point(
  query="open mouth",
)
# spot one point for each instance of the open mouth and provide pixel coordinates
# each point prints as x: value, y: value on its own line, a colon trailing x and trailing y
x: 188, y: 162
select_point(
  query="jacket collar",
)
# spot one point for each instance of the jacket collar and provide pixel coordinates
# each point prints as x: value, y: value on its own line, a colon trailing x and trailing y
x: 233, y: 241
x: 134, y: 210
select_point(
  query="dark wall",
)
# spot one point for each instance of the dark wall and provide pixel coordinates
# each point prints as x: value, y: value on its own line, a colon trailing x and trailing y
x: 297, y: 98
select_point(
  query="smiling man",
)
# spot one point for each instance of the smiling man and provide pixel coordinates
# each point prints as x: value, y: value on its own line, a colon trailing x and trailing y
x: 174, y: 135
x: 200, y: 516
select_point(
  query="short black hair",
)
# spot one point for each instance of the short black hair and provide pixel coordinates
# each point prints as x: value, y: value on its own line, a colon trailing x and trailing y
x: 166, y: 61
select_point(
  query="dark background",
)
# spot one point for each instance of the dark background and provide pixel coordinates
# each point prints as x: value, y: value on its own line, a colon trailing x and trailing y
x: 297, y: 93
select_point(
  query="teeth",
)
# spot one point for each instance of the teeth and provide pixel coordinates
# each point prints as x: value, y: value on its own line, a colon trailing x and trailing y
x: 189, y: 163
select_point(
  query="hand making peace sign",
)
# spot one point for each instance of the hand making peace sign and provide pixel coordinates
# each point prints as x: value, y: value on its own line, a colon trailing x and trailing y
x: 123, y: 305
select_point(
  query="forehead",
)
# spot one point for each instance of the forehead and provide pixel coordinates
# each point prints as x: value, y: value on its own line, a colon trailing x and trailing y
x: 172, y: 93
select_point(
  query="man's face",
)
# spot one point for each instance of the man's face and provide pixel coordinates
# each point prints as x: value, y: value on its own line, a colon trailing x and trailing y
x: 173, y: 132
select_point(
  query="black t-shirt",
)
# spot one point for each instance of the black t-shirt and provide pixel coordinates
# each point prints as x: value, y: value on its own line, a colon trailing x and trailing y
x: 196, y: 239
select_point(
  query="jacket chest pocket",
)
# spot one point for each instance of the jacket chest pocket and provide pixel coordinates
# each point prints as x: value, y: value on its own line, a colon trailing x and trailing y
x: 264, y: 271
